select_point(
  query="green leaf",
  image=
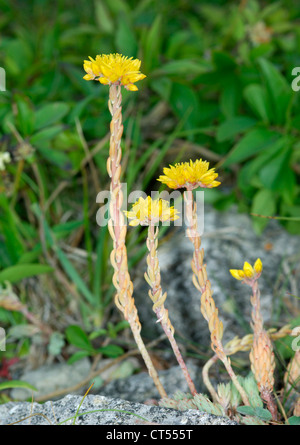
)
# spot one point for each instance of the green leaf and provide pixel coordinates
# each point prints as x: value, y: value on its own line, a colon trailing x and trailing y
x: 258, y: 101
x: 294, y: 420
x: 97, y: 333
x: 111, y: 351
x: 77, y: 356
x: 16, y: 384
x: 73, y: 274
x: 231, y: 127
x: 50, y: 113
x: 102, y: 252
x: 25, y: 117
x: 9, y: 229
x: 65, y: 262
x: 126, y: 42
x: 223, y: 61
x: 66, y: 228
x: 278, y: 88
x: 250, y: 172
x: 246, y: 410
x: 180, y: 68
x: 284, y: 347
x: 30, y: 256
x: 184, y: 100
x: 231, y: 98
x: 275, y: 174
x: 263, y: 413
x: 77, y: 337
x: 78, y: 109
x: 18, y: 272
x: 152, y: 43
x: 56, y: 157
x: 103, y: 17
x: 250, y: 385
x: 46, y: 134
x: 252, y: 143
x: 123, y: 324
x: 264, y: 203
x: 162, y: 86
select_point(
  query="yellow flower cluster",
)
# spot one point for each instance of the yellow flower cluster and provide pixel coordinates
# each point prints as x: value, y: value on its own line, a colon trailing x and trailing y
x: 114, y: 69
x: 190, y: 175
x: 248, y: 272
x: 150, y: 211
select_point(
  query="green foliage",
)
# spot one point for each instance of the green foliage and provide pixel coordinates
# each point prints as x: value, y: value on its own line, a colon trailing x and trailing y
x: 182, y: 402
x: 250, y: 386
x: 78, y: 338
x: 259, y: 412
x: 18, y: 272
x: 16, y: 384
x: 248, y: 415
x: 294, y: 420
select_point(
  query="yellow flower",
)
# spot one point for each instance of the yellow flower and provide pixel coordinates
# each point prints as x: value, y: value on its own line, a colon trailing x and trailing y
x: 146, y: 211
x: 114, y: 69
x: 248, y: 271
x: 190, y: 175
x: 258, y: 266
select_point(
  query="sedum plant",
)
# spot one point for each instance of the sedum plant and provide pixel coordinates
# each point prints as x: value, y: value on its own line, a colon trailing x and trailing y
x: 117, y: 71
x: 261, y: 355
x: 149, y: 212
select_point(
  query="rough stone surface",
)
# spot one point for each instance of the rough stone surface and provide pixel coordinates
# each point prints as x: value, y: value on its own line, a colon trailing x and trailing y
x: 228, y: 240
x: 53, y: 377
x: 140, y: 387
x: 115, y: 412
x: 59, y: 376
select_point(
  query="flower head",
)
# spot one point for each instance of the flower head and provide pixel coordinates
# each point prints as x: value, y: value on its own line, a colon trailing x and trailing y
x: 248, y: 272
x: 190, y: 175
x: 114, y: 69
x: 150, y: 211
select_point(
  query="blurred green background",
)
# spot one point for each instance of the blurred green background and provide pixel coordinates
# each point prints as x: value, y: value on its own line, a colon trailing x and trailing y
x: 218, y: 87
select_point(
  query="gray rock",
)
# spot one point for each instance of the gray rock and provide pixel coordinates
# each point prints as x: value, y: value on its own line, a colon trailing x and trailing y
x: 140, y: 387
x: 228, y: 240
x: 53, y: 377
x: 110, y: 412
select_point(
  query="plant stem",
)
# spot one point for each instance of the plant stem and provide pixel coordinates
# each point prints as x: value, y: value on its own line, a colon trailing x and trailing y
x: 257, y: 324
x: 158, y: 299
x: 205, y: 377
x: 121, y: 278
x: 261, y: 355
x: 201, y: 282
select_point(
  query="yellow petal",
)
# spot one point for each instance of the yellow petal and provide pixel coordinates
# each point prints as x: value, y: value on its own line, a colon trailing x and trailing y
x: 248, y: 270
x: 103, y: 80
x: 88, y: 77
x: 258, y: 266
x: 106, y: 71
x: 131, y: 87
x: 237, y: 274
x: 96, y: 69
